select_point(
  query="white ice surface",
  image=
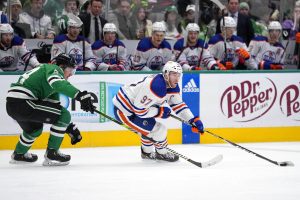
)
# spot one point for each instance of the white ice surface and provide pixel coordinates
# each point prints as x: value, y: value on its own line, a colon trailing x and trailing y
x: 118, y: 173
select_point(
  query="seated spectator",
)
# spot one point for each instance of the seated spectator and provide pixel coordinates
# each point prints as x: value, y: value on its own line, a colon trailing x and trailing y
x: 244, y: 27
x: 189, y: 17
x: 292, y: 26
x: 228, y: 49
x: 152, y: 52
x: 20, y: 29
x: 194, y: 54
x: 75, y: 45
x: 208, y: 21
x: 136, y: 4
x: 268, y: 52
x: 123, y: 15
x: 13, y: 50
x: 71, y: 6
x: 258, y: 28
x: 171, y: 22
x: 40, y: 24
x: 110, y: 51
x: 144, y: 25
x: 92, y: 21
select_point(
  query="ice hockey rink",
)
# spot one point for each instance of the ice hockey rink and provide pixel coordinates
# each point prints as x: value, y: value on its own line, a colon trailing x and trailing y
x: 117, y: 173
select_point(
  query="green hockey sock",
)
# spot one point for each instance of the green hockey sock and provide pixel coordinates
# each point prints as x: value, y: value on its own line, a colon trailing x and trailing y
x: 26, y: 140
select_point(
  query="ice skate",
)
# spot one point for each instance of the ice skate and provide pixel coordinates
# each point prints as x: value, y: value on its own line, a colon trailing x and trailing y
x: 169, y: 157
x: 23, y: 158
x: 56, y: 158
x: 148, y: 156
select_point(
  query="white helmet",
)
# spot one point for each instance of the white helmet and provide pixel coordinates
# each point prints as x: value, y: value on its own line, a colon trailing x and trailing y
x: 193, y: 27
x: 274, y: 25
x: 159, y: 26
x: 229, y: 22
x: 6, y: 28
x: 109, y: 27
x: 74, y: 21
x: 172, y: 66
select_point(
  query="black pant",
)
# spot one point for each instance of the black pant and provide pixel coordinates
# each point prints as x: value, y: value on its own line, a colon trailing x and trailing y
x: 31, y: 114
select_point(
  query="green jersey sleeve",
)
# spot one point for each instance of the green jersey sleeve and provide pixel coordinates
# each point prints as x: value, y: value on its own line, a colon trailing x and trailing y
x: 55, y: 78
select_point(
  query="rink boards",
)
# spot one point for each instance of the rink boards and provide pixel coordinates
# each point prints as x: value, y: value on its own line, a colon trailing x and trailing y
x: 242, y: 107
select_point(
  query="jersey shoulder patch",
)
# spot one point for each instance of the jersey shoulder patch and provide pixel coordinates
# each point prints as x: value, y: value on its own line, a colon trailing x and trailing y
x: 16, y: 41
x: 165, y: 44
x: 97, y: 45
x: 119, y: 43
x: 144, y: 44
x: 237, y: 39
x: 158, y: 86
x: 179, y: 44
x: 215, y: 39
x: 60, y: 38
x: 260, y: 38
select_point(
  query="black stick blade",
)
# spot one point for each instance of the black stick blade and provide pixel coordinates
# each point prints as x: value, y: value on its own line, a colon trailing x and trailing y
x: 286, y: 164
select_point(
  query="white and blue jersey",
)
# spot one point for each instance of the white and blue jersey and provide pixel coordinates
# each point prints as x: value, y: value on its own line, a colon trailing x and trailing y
x: 189, y: 56
x: 110, y: 54
x: 74, y: 48
x: 10, y: 56
x: 147, y: 57
x: 143, y: 98
x: 217, y: 50
x: 261, y: 50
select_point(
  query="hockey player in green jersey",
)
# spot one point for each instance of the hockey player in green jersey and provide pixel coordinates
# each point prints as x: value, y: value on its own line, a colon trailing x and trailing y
x: 34, y: 100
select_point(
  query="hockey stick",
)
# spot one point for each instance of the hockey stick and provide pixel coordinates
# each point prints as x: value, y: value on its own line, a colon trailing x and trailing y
x: 282, y: 164
x: 211, y: 162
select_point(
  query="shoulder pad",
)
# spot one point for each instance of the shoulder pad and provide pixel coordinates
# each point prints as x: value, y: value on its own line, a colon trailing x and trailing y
x: 60, y: 38
x: 179, y: 44
x: 158, y: 86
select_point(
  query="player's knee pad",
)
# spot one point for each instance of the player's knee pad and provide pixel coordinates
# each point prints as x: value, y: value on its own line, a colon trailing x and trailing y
x: 159, y: 132
x: 64, y: 119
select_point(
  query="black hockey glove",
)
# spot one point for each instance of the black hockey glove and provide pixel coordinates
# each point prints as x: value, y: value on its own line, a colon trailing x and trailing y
x: 74, y: 133
x: 85, y: 101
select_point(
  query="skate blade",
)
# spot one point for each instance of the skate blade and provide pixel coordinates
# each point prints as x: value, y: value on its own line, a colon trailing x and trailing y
x: 54, y: 163
x: 16, y: 162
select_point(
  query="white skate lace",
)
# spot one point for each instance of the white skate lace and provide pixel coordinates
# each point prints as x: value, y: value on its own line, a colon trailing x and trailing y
x: 152, y: 155
x: 61, y: 154
x: 169, y: 155
x: 28, y: 155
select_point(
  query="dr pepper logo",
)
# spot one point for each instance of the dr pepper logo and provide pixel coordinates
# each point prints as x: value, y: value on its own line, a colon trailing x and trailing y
x: 248, y: 100
x: 290, y: 102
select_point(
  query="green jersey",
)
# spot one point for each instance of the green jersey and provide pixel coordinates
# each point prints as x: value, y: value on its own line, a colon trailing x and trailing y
x: 42, y: 83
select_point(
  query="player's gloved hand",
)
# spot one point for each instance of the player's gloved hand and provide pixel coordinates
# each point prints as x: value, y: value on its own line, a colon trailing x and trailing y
x: 243, y: 53
x: 196, y: 68
x: 116, y: 67
x: 163, y: 112
x: 269, y: 65
x: 298, y: 38
x: 74, y: 133
x: 85, y: 101
x: 228, y: 65
x: 197, y: 125
x: 218, y: 66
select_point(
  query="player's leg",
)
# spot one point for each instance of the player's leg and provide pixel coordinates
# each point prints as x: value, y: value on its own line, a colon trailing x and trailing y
x: 143, y: 126
x: 152, y: 129
x: 57, y: 131
x: 30, y: 115
x: 31, y: 130
x: 159, y: 134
